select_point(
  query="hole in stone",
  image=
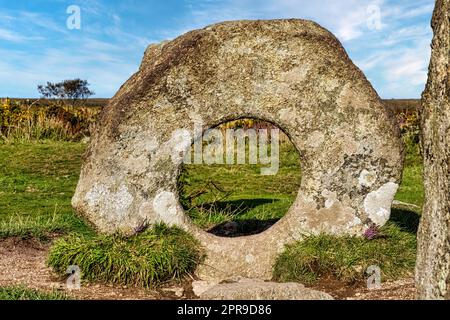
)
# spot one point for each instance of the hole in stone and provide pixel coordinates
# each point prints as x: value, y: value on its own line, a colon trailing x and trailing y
x: 232, y: 199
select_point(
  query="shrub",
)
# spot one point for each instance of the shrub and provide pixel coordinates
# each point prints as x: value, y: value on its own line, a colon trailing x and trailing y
x: 28, y: 122
x: 409, y: 123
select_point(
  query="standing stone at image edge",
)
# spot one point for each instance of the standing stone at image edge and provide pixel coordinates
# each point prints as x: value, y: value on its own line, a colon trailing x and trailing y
x: 292, y: 73
x: 433, y: 259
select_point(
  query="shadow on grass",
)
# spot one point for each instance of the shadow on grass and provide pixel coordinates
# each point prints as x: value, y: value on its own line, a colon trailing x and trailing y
x: 406, y: 220
x: 242, y: 227
x: 239, y: 206
x: 238, y: 227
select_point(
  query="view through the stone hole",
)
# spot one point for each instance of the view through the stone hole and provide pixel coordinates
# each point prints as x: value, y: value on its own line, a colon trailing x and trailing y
x: 232, y: 200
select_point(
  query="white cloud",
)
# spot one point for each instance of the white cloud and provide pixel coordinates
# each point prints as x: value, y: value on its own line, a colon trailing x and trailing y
x: 106, y: 57
x: 31, y: 20
x: 116, y: 19
x: 400, y: 72
x: 395, y: 56
x: 410, y: 33
x: 105, y: 71
x: 347, y: 19
x: 408, y: 10
x: 411, y: 67
x: 374, y: 60
x: 12, y: 36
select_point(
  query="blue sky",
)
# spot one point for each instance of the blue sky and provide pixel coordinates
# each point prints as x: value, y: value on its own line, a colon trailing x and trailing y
x: 36, y: 46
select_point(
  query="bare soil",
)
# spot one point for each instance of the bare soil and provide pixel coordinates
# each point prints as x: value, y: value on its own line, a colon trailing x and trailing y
x: 403, y: 289
x: 23, y: 262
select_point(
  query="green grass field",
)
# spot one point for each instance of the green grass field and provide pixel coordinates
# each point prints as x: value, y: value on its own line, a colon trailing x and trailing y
x: 214, y: 194
x: 411, y: 189
x: 37, y: 181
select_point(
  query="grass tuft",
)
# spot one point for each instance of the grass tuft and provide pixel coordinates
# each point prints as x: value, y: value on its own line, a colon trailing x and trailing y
x: 22, y: 293
x: 347, y: 258
x: 155, y: 256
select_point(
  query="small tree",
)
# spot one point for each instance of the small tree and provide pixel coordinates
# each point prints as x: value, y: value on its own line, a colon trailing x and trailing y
x: 76, y: 91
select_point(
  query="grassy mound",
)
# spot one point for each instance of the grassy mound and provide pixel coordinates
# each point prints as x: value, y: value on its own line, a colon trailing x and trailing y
x: 347, y: 258
x: 22, y: 293
x: 147, y: 259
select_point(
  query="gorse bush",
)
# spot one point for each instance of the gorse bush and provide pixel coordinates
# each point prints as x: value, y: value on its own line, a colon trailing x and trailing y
x: 28, y: 122
x: 147, y: 259
x: 409, y: 123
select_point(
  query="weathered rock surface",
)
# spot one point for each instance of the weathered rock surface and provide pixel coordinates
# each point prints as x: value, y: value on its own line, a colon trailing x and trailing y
x: 292, y: 73
x: 433, y: 260
x: 201, y: 286
x: 250, y: 289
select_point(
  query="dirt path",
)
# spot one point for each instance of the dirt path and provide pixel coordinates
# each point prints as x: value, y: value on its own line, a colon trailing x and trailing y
x: 403, y: 289
x: 23, y: 263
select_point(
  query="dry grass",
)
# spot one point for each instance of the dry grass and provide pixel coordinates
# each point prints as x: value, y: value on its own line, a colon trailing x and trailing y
x: 23, y: 122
